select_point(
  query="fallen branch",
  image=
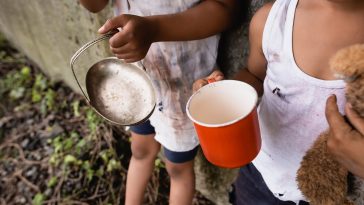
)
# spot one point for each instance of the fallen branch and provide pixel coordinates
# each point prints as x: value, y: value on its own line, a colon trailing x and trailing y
x: 21, y: 154
x: 18, y: 173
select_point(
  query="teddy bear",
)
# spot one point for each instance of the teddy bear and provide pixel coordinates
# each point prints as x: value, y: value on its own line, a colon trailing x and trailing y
x: 320, y: 177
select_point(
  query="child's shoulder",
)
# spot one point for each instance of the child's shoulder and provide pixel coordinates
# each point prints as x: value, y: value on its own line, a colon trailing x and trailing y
x: 260, y: 17
x: 257, y: 23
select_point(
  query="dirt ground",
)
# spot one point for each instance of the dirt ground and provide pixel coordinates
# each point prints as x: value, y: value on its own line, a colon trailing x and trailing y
x: 55, y: 150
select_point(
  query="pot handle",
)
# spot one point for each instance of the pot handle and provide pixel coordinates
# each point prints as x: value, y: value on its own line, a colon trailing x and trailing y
x: 81, y: 50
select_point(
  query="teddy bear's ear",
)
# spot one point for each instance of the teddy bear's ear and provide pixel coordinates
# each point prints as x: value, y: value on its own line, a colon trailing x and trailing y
x: 348, y: 63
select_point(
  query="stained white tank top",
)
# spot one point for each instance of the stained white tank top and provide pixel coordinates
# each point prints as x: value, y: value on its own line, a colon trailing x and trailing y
x: 292, y: 109
x: 173, y: 68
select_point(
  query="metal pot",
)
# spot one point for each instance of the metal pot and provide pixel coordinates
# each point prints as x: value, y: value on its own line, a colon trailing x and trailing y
x: 120, y: 92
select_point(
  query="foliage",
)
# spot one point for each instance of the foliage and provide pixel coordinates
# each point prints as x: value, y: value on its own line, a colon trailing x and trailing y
x: 86, y: 151
x: 38, y: 199
x: 15, y: 83
x: 54, y: 149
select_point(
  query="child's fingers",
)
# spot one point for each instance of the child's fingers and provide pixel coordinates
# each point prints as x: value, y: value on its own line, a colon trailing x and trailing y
x: 215, y: 76
x: 105, y: 28
x: 122, y: 50
x: 119, y: 39
x: 220, y: 77
x: 336, y: 122
x: 199, y: 84
x: 355, y: 119
x: 125, y: 56
x: 113, y: 23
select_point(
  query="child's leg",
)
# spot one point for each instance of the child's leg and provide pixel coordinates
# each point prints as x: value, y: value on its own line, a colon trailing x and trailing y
x: 144, y: 150
x: 180, y: 169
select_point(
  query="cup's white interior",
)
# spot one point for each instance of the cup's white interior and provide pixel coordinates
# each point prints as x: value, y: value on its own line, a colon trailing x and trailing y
x: 221, y: 103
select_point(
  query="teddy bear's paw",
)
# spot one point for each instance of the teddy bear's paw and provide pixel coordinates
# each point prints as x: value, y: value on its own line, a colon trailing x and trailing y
x: 321, y: 179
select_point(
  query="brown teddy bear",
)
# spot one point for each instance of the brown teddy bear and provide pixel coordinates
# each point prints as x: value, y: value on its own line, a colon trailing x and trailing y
x: 320, y: 177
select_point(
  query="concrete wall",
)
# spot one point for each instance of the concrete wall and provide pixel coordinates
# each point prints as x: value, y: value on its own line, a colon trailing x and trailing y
x: 50, y: 31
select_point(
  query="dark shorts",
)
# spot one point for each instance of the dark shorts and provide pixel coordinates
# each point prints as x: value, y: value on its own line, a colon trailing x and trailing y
x: 144, y: 128
x: 176, y: 157
x: 250, y: 188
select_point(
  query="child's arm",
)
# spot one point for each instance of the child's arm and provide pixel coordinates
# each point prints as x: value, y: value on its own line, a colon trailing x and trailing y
x: 254, y: 74
x: 205, y: 19
x: 346, y: 143
x: 94, y: 5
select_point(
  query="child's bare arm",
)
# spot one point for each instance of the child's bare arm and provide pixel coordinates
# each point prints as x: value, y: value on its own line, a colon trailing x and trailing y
x: 94, y: 5
x: 346, y: 143
x: 205, y: 19
x: 254, y: 74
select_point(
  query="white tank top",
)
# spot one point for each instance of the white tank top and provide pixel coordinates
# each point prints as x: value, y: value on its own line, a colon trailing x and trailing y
x: 173, y: 67
x: 292, y: 109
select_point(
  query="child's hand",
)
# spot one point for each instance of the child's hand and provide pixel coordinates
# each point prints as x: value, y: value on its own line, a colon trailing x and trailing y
x: 346, y: 143
x: 214, y: 76
x: 133, y: 41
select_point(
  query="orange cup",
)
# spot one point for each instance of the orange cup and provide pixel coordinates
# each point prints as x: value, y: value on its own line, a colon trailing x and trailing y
x: 225, y: 117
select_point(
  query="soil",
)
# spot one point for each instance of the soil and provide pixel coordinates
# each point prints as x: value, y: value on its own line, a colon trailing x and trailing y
x: 55, y: 150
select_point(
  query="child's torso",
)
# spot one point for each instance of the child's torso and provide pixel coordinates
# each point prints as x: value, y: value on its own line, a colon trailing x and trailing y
x: 319, y: 33
x: 296, y: 86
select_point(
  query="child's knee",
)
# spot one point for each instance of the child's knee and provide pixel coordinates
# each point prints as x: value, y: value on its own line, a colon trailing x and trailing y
x: 141, y: 151
x: 176, y: 171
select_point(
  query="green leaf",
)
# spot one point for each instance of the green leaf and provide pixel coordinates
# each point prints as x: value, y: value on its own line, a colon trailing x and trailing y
x: 36, y: 96
x: 81, y: 145
x: 38, y: 199
x: 70, y: 159
x: 76, y: 108
x: 89, y: 174
x: 100, y: 171
x: 159, y: 163
x: 50, y: 97
x: 86, y: 165
x: 25, y: 72
x: 104, y: 156
x: 55, y: 159
x: 74, y: 135
x: 93, y: 120
x: 40, y: 82
x: 113, y: 165
x: 68, y: 144
x: 52, y: 181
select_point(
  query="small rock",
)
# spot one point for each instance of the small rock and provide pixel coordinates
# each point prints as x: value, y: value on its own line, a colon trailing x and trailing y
x: 30, y: 121
x: 24, y: 143
x: 37, y: 156
x: 56, y: 130
x: 31, y: 171
x: 67, y: 115
x: 20, y: 200
x: 51, y: 132
x: 48, y: 150
x: 47, y: 192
